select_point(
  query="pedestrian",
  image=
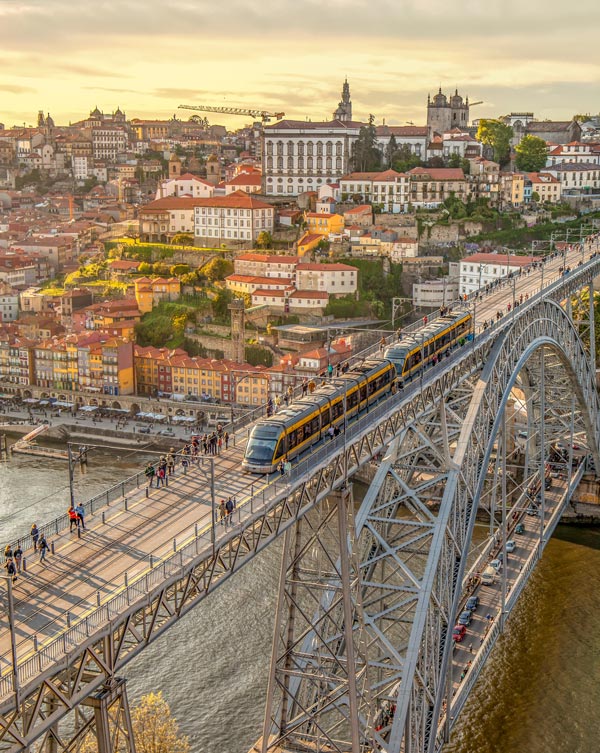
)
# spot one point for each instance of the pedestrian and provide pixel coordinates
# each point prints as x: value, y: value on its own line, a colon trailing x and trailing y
x: 161, y: 476
x: 73, y: 519
x: 470, y: 649
x: 331, y: 431
x: 219, y: 445
x: 281, y: 468
x: 11, y: 569
x: 330, y: 370
x: 18, y: 557
x: 8, y: 553
x: 80, y: 515
x: 229, y: 508
x: 43, y: 547
x: 222, y: 512
x: 149, y: 472
x: 35, y: 535
x: 226, y: 438
x: 171, y: 461
x: 304, y: 387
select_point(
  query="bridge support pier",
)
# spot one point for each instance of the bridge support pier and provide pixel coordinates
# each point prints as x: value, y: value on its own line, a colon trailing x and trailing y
x: 112, y: 720
x: 318, y: 686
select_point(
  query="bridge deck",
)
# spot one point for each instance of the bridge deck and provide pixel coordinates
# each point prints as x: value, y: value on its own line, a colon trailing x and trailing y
x: 67, y: 587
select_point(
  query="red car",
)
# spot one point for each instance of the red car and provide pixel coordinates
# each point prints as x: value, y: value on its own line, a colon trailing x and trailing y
x: 459, y: 633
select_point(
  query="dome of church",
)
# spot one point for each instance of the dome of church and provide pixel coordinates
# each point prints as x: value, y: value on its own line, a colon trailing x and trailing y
x: 440, y: 99
x: 456, y: 100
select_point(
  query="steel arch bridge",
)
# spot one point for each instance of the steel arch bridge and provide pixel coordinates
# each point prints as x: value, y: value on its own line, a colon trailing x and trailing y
x: 362, y: 655
x: 369, y: 668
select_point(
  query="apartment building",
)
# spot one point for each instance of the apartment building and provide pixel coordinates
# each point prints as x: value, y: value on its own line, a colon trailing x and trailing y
x: 237, y: 217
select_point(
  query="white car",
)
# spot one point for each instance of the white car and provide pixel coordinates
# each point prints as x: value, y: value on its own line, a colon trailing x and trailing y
x: 511, y: 545
x: 497, y: 565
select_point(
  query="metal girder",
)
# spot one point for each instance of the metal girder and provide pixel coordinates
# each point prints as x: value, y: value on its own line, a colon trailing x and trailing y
x: 411, y: 543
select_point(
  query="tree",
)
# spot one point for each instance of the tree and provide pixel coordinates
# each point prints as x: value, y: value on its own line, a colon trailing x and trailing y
x: 220, y: 304
x: 532, y: 153
x: 497, y: 135
x: 154, y: 728
x: 178, y: 270
x: 390, y: 150
x: 535, y: 197
x: 454, y: 160
x: 217, y: 269
x: 264, y: 239
x: 182, y: 239
x: 405, y: 159
x: 145, y: 268
x: 366, y: 156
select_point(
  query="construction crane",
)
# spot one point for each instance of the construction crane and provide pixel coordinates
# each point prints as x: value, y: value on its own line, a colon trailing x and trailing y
x: 264, y: 115
x: 472, y: 104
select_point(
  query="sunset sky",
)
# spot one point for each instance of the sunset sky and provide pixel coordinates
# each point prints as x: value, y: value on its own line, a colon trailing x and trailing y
x: 66, y: 56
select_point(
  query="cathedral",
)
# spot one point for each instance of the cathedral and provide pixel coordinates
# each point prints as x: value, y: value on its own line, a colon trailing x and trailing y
x: 344, y: 108
x: 445, y: 113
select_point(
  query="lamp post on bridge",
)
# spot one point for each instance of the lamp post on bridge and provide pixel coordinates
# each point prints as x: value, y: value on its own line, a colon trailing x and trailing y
x: 13, y: 638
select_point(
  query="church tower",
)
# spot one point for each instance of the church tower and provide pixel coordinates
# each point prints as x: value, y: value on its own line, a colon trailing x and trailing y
x: 344, y: 108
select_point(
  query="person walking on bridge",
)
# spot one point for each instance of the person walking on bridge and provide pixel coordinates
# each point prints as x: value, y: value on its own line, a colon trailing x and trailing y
x: 18, y: 557
x: 171, y: 462
x: 80, y: 515
x: 35, y: 535
x: 11, y: 569
x: 73, y: 519
x: 43, y: 547
x: 149, y: 473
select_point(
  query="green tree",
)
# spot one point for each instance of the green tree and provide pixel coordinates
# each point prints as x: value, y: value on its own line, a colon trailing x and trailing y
x: 178, y: 270
x: 497, y: 135
x: 264, y: 240
x: 145, y: 268
x: 404, y: 159
x: 535, y: 197
x: 366, y: 156
x: 220, y: 304
x: 532, y: 153
x: 217, y: 269
x: 390, y: 150
x: 182, y: 239
x: 454, y: 160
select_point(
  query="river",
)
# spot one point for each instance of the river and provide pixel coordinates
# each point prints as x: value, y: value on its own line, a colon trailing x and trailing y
x: 540, y: 691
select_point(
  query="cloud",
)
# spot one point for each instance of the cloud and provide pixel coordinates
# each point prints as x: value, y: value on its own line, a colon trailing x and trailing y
x: 15, y: 89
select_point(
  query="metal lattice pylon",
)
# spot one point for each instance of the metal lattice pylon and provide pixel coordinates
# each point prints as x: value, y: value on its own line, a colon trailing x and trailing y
x: 318, y: 686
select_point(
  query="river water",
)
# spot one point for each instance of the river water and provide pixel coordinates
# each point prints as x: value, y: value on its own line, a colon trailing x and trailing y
x: 540, y: 692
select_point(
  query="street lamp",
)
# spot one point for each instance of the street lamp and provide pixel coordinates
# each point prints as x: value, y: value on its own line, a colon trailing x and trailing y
x: 13, y: 639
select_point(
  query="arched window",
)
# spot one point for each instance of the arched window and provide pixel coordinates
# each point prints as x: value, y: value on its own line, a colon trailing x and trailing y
x: 328, y: 162
x: 310, y: 148
x: 319, y: 163
x: 319, y: 148
x: 280, y: 163
x: 269, y: 147
x: 290, y: 147
x: 300, y: 163
x: 338, y: 148
x: 279, y: 148
x: 309, y: 163
x: 301, y: 148
x: 338, y: 163
x: 269, y: 163
x: 290, y: 163
x: 329, y: 149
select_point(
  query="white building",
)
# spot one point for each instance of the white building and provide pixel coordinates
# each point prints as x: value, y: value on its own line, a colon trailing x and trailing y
x: 299, y: 156
x: 403, y: 248
x: 336, y: 279
x: 266, y: 265
x: 175, y: 213
x: 9, y: 304
x: 248, y: 182
x: 576, y: 176
x: 479, y: 270
x: 577, y: 152
x: 434, y: 293
x: 80, y: 166
x: 388, y: 189
x: 237, y: 217
x: 416, y: 138
x: 185, y: 185
x: 108, y: 142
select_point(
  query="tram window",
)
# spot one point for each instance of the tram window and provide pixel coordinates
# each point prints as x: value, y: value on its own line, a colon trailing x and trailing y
x: 280, y: 448
x: 325, y: 419
x: 313, y: 426
x: 352, y: 399
x: 363, y: 392
x: 336, y: 410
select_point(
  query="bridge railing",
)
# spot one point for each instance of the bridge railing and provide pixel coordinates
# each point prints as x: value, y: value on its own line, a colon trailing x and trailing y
x: 106, y: 498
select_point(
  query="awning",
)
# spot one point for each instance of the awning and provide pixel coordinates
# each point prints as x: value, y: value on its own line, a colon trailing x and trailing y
x: 183, y: 420
x: 88, y: 408
x: 31, y: 400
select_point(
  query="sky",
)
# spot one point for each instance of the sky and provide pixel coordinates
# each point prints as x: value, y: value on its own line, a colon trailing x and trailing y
x: 67, y: 56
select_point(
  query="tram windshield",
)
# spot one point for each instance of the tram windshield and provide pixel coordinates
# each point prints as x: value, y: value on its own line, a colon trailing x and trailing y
x: 262, y: 443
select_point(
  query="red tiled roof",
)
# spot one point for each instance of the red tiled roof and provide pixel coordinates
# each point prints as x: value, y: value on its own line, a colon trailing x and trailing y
x: 235, y: 200
x: 439, y: 173
x: 500, y: 259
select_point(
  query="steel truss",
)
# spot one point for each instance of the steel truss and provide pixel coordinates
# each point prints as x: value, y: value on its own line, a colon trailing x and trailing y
x: 414, y: 532
x: 410, y: 566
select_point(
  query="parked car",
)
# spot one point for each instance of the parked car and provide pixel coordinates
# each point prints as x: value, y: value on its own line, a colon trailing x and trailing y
x: 472, y: 603
x: 459, y: 633
x: 511, y: 544
x: 144, y: 430
x: 533, y: 511
x: 465, y: 618
x: 496, y: 564
x: 520, y: 528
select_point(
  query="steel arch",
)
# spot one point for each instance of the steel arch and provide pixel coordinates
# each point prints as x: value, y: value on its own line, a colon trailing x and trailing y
x: 544, y: 325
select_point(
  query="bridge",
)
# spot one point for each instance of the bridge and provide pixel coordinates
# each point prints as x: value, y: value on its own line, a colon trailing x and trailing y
x: 363, y: 654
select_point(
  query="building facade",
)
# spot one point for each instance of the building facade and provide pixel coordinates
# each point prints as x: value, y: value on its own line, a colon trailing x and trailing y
x: 237, y: 217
